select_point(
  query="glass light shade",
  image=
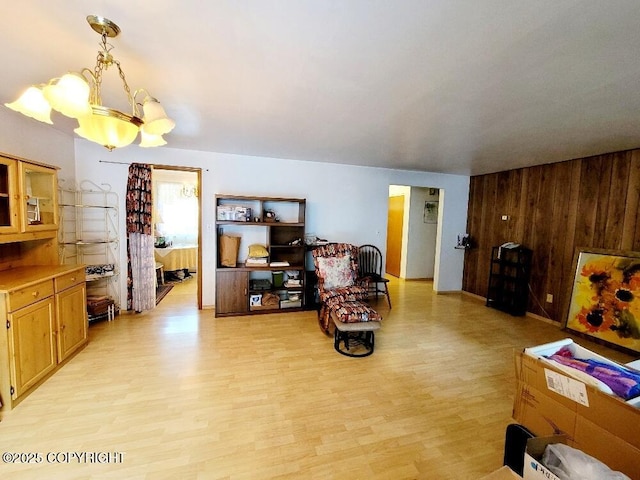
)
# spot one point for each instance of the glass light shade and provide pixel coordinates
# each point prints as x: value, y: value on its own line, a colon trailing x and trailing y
x: 69, y: 95
x: 155, y: 118
x: 147, y: 140
x: 110, y: 128
x: 32, y: 104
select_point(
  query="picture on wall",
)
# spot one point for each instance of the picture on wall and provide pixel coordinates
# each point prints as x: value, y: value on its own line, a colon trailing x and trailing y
x: 605, y: 298
x: 430, y: 212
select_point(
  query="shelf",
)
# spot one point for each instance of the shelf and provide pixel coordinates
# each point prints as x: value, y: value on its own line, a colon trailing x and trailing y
x: 266, y: 268
x: 89, y: 236
x: 233, y: 283
x: 95, y: 278
x: 78, y: 205
x: 509, y: 274
x: 104, y: 316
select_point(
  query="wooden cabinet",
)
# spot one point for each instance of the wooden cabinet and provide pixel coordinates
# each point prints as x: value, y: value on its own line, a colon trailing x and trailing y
x: 71, y: 313
x: 31, y: 345
x: 44, y: 308
x: 279, y: 225
x: 28, y: 200
x: 231, y: 292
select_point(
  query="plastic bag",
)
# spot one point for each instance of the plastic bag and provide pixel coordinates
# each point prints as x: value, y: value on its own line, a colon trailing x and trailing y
x: 571, y: 464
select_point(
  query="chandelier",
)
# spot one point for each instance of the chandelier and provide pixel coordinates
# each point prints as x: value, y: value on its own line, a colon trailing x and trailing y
x: 78, y: 95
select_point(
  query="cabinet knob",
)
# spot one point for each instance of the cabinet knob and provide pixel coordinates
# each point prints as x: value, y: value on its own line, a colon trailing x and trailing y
x: 35, y: 294
x: 73, y: 279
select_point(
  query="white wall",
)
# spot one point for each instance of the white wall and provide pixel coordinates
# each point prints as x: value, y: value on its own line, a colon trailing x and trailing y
x: 344, y: 203
x: 24, y: 137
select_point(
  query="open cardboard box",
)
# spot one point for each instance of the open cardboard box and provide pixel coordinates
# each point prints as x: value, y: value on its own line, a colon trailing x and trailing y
x: 504, y: 473
x: 534, y: 469
x: 548, y: 401
x: 578, y: 351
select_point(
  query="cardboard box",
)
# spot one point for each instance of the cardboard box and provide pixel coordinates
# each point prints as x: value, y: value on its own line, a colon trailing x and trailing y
x: 534, y: 469
x: 578, y: 351
x: 504, y: 473
x: 549, y: 401
x: 253, y: 308
x: 255, y: 299
x: 290, y: 303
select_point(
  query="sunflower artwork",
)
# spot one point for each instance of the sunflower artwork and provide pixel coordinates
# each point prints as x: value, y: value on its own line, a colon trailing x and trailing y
x: 605, y: 300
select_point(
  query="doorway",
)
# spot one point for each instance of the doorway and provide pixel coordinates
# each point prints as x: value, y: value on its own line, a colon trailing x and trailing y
x: 395, y: 222
x: 177, y: 220
x: 412, y: 227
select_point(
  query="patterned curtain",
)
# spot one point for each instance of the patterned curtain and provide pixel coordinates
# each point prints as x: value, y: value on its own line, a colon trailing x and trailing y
x: 141, y: 294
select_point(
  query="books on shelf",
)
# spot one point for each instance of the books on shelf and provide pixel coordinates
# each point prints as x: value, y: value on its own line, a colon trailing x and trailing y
x: 256, y: 261
x: 291, y: 282
x: 279, y: 264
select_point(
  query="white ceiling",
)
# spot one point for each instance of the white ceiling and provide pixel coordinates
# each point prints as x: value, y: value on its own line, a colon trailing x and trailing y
x: 458, y: 86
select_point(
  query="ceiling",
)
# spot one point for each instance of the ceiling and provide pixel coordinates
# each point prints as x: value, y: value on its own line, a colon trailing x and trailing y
x: 454, y: 86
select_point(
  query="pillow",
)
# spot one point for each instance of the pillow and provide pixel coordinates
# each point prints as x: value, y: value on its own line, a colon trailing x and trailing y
x: 336, y: 271
x: 257, y: 250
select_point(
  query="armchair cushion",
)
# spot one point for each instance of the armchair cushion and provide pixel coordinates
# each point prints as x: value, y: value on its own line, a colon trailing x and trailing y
x: 347, y: 294
x: 337, y: 272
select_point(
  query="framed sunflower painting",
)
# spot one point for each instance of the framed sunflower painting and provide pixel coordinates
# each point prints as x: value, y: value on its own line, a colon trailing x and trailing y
x: 605, y: 298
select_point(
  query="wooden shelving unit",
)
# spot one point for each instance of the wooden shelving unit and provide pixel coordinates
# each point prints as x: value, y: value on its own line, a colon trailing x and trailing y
x: 278, y: 224
x: 509, y: 273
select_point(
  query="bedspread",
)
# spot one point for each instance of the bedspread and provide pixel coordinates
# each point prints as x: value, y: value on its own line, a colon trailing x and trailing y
x: 177, y: 258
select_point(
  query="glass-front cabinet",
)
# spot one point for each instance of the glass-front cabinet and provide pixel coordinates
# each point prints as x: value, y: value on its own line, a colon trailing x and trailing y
x: 9, y: 196
x: 39, y: 198
x: 28, y: 200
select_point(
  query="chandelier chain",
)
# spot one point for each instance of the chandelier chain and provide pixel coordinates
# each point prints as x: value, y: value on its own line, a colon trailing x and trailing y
x: 97, y: 75
x: 126, y: 88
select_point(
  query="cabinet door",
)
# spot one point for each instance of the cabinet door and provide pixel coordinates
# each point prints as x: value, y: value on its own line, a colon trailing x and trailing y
x: 9, y: 219
x: 39, y: 203
x: 71, y: 315
x: 31, y: 344
x: 231, y: 292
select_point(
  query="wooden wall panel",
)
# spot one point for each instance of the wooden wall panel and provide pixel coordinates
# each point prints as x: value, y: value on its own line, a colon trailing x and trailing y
x: 614, y: 221
x: 631, y: 229
x: 554, y: 209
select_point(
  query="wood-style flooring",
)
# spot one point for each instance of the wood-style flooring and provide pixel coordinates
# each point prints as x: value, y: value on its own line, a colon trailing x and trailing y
x: 178, y: 394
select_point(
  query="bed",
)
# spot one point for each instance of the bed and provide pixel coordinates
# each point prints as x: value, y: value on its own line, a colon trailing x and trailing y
x: 180, y: 257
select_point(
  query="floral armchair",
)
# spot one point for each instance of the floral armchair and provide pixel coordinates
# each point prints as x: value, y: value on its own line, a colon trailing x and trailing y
x: 336, y: 266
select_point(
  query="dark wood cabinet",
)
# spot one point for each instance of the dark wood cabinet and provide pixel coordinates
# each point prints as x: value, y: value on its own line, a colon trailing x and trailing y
x: 276, y: 223
x: 509, y: 275
x: 231, y: 291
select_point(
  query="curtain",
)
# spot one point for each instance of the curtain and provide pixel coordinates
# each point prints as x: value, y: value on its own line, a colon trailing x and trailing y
x: 141, y: 294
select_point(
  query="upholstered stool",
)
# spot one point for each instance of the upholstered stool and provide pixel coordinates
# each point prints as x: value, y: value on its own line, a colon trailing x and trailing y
x: 355, y: 324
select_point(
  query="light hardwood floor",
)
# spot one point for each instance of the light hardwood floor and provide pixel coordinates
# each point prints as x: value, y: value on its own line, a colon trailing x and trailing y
x: 183, y: 395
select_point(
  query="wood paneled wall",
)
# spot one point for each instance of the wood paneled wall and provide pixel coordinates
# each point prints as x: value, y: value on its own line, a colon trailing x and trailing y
x: 554, y: 209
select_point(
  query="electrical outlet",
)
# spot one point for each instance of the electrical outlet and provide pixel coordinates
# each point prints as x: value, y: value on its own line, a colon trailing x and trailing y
x: 549, y: 298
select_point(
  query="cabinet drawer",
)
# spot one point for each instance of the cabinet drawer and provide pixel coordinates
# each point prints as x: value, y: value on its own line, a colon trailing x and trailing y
x: 68, y: 280
x: 28, y: 295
